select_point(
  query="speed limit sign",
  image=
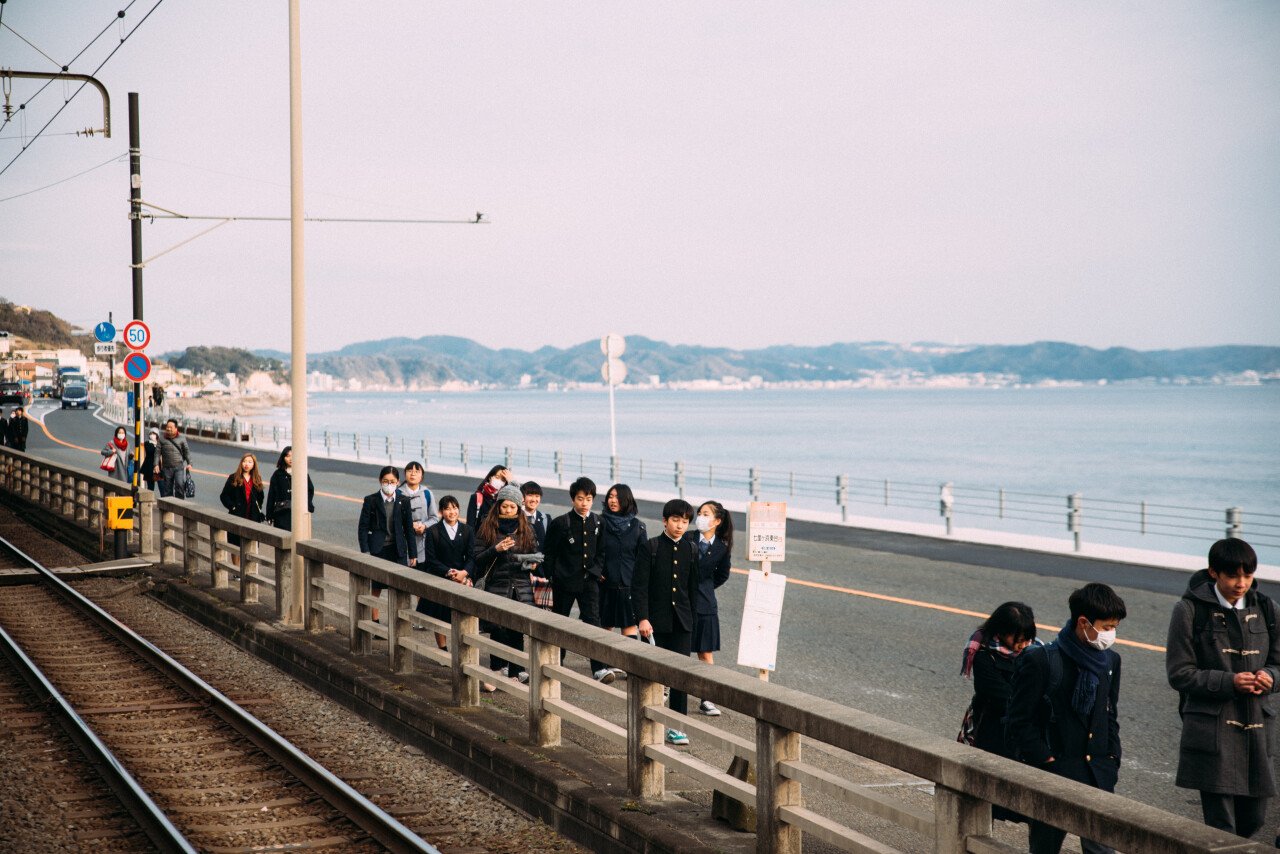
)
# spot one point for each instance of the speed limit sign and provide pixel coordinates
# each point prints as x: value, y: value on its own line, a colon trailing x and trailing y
x: 137, y: 335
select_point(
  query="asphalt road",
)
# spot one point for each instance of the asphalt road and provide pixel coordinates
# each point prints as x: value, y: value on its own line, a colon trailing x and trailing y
x: 874, y: 620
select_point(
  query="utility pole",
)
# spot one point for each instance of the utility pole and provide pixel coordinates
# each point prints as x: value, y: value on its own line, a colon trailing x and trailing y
x: 135, y: 224
x: 300, y: 519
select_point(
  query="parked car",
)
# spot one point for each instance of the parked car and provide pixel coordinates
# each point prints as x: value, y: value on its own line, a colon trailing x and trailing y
x: 75, y: 396
x: 13, y: 393
x: 46, y: 391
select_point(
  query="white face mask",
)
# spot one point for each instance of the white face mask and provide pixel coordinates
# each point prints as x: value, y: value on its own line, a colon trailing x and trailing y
x: 1104, y: 640
x: 497, y: 482
x: 703, y: 523
x: 388, y: 489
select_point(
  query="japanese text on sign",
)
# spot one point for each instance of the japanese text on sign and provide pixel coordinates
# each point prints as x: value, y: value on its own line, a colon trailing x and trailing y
x: 767, y: 530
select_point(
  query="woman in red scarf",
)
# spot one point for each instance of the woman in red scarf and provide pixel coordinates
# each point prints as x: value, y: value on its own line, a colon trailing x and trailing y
x: 115, y: 456
x: 242, y: 494
x: 482, y: 499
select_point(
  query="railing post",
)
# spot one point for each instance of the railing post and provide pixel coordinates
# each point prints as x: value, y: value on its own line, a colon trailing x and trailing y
x: 559, y: 466
x: 219, y: 552
x: 507, y: 458
x: 754, y: 476
x: 774, y: 745
x: 250, y: 567
x: 946, y: 500
x: 466, y: 458
x: 360, y: 641
x: 956, y: 818
x: 312, y: 616
x: 400, y: 658
x: 188, y: 546
x: 1000, y: 513
x: 168, y: 552
x: 286, y: 584
x: 645, y: 777
x: 1073, y: 517
x: 144, y: 517
x: 390, y: 461
x: 328, y: 446
x: 842, y: 496
x: 679, y: 479
x: 426, y: 456
x: 544, y: 726
x: 355, y: 441
x: 886, y: 492
x: 1142, y: 517
x: 466, y: 688
x: 1235, y: 525
x: 613, y: 469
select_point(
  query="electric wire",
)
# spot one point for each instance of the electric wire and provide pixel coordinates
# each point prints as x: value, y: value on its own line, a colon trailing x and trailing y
x: 124, y: 39
x: 116, y: 159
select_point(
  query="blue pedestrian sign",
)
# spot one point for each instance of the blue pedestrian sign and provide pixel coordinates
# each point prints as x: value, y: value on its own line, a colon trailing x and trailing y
x: 136, y: 366
x: 104, y: 332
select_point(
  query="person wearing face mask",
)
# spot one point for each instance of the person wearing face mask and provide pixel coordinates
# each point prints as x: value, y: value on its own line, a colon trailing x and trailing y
x: 115, y: 456
x: 150, y: 459
x: 481, y: 500
x: 386, y: 525
x: 714, y: 536
x: 989, y: 659
x: 504, y: 534
x: 1062, y: 714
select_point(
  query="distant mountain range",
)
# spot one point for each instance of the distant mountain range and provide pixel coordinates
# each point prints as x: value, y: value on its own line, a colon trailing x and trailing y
x: 435, y: 360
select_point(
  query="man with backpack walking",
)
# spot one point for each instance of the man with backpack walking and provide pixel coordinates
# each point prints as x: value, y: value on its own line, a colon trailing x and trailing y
x: 1062, y: 715
x: 1223, y: 659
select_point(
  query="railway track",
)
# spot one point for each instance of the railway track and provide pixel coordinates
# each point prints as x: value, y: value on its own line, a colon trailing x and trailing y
x: 202, y: 773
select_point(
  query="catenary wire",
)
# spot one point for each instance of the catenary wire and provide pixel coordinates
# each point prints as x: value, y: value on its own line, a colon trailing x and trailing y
x: 116, y: 159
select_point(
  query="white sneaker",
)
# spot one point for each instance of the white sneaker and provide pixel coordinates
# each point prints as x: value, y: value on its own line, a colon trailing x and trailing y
x: 676, y: 737
x: 709, y: 709
x: 523, y: 678
x: 604, y: 675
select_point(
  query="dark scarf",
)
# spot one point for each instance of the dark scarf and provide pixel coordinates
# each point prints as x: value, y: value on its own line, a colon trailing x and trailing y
x: 507, y: 527
x: 618, y: 524
x: 1093, y: 663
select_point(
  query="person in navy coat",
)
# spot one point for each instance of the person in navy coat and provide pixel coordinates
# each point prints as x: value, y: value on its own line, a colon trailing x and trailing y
x: 386, y: 525
x: 714, y: 537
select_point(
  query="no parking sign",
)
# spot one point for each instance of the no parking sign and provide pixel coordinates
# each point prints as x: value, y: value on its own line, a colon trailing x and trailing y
x: 136, y: 366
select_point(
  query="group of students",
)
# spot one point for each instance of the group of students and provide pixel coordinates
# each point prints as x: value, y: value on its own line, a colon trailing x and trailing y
x: 660, y: 589
x: 1054, y: 705
x: 14, y: 429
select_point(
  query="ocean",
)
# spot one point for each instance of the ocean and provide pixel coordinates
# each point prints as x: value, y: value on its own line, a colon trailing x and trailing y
x: 1190, y: 452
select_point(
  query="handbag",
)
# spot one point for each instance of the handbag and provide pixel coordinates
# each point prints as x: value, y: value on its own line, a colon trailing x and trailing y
x: 189, y: 489
x: 109, y: 463
x: 968, y: 727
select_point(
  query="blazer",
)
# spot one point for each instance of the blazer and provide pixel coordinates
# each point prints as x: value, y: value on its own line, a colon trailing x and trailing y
x: 444, y: 554
x: 572, y: 551
x: 665, y: 584
x: 1039, y: 727
x: 713, y: 571
x: 372, y: 532
x: 539, y: 521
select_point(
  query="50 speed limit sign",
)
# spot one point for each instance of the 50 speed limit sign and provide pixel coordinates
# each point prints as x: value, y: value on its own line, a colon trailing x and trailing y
x: 137, y: 335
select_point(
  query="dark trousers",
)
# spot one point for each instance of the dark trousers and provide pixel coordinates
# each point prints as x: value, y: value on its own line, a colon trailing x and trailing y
x: 1044, y: 839
x: 506, y: 637
x: 588, y: 599
x: 1238, y: 814
x: 681, y: 642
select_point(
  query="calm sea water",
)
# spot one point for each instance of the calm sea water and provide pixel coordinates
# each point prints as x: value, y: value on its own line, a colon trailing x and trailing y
x: 1205, y: 447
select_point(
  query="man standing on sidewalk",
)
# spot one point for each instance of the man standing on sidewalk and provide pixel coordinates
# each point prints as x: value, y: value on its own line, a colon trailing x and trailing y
x: 175, y: 462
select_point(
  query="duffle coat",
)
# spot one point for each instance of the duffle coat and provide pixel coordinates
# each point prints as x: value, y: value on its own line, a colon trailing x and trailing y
x: 1228, y: 738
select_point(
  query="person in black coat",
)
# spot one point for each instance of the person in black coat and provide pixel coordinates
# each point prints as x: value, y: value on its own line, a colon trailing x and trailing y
x: 242, y: 495
x: 663, y: 591
x: 502, y: 536
x: 385, y: 528
x: 573, y: 564
x: 481, y: 500
x: 1071, y: 728
x: 989, y: 658
x: 448, y: 545
x: 714, y: 538
x: 623, y: 537
x: 17, y: 428
x: 150, y: 462
x: 280, y: 492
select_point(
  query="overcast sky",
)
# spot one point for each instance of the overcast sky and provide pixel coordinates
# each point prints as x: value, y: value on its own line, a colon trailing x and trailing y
x: 723, y: 173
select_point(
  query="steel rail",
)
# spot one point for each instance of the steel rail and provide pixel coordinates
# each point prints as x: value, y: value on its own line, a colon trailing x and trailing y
x: 366, y: 815
x: 150, y: 818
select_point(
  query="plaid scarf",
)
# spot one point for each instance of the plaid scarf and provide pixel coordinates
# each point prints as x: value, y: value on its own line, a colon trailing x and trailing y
x: 976, y: 642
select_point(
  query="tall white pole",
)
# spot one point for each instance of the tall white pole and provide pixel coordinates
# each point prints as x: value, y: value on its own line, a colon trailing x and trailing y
x: 613, y: 428
x: 300, y: 518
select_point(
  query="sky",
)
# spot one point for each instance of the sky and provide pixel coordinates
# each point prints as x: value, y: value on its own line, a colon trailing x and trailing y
x: 730, y: 174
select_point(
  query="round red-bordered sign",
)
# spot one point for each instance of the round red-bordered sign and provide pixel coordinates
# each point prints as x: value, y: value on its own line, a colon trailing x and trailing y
x: 136, y: 366
x: 137, y: 335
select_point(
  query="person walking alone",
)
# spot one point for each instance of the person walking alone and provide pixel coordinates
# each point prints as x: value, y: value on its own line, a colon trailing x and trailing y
x: 115, y: 456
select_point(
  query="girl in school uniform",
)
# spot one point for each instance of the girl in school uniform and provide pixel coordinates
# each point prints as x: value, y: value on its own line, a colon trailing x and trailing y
x: 715, y: 544
x: 447, y: 548
x: 623, y: 533
x: 481, y: 500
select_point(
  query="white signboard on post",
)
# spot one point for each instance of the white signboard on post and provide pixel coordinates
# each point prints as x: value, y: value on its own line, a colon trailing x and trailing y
x: 767, y: 531
x: 761, y: 620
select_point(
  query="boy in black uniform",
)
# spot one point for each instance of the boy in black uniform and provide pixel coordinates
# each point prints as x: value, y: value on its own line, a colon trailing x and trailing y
x: 1062, y: 715
x: 668, y: 561
x: 574, y: 565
